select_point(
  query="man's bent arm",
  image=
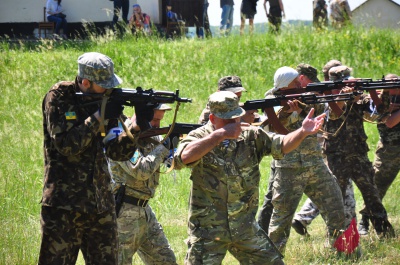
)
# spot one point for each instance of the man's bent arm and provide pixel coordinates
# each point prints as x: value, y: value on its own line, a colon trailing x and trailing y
x: 197, y: 149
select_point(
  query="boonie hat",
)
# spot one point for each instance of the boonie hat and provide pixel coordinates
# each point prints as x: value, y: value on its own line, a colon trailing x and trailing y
x: 284, y: 76
x: 339, y: 73
x: 162, y: 106
x: 99, y: 69
x: 231, y: 83
x: 225, y: 105
x: 309, y: 71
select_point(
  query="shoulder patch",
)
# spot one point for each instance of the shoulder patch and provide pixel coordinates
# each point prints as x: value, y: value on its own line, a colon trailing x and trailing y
x: 135, y: 157
x: 70, y: 115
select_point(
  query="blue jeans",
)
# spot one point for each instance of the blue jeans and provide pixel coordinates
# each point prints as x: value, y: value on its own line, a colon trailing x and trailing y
x: 226, y: 18
x: 60, y: 22
x: 205, y: 28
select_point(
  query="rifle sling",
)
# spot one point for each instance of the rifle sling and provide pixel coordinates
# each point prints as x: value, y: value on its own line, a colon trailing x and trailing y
x: 171, y: 129
x: 126, y: 130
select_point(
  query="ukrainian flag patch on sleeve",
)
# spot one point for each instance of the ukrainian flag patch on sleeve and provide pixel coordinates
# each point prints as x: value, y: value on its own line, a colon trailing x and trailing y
x: 70, y: 115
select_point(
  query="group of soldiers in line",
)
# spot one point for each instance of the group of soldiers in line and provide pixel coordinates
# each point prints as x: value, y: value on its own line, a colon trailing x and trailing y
x: 79, y: 210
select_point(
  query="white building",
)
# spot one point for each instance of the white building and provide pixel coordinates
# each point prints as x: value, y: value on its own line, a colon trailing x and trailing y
x: 377, y: 13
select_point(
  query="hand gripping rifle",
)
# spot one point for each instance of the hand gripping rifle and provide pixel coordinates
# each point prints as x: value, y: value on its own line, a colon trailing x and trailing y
x: 268, y: 104
x: 132, y: 97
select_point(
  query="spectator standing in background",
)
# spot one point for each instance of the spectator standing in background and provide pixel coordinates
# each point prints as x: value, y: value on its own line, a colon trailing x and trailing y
x: 320, y: 14
x: 205, y: 28
x: 340, y: 13
x: 275, y: 14
x: 226, y: 17
x: 247, y: 11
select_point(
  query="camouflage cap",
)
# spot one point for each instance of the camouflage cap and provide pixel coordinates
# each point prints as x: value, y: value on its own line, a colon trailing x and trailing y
x: 99, y: 69
x: 338, y: 73
x: 162, y: 106
x: 329, y: 65
x: 309, y: 71
x: 225, y: 105
x: 230, y: 83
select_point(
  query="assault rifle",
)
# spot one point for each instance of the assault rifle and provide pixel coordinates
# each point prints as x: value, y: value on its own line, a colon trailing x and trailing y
x: 131, y: 97
x: 362, y: 84
x: 280, y: 100
x: 178, y: 129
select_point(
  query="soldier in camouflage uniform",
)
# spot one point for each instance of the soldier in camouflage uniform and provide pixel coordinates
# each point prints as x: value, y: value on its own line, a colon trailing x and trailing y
x: 387, y: 154
x: 301, y: 171
x: 232, y: 84
x: 347, y: 154
x: 138, y: 178
x: 77, y: 205
x: 224, y: 156
x: 309, y: 211
x: 227, y: 83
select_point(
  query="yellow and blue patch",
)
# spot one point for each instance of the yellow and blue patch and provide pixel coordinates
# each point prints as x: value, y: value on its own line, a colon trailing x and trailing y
x: 70, y: 115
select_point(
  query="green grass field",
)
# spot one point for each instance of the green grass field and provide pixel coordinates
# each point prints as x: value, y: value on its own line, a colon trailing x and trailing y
x: 28, y: 70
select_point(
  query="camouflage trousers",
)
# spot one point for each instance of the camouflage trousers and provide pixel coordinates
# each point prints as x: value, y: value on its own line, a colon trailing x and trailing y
x: 139, y: 231
x: 360, y: 170
x: 309, y: 211
x: 66, y: 232
x: 256, y: 249
x: 386, y: 168
x: 288, y: 186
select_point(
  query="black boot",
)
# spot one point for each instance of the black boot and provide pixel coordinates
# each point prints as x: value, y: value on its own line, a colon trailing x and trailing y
x: 299, y: 227
x: 383, y: 227
x: 363, y: 226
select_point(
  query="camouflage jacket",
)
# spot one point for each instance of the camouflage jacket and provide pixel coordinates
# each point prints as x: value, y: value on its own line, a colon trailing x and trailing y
x: 225, y: 182
x: 76, y: 175
x: 309, y: 152
x: 140, y: 174
x: 351, y: 137
x: 390, y: 136
x: 204, y: 116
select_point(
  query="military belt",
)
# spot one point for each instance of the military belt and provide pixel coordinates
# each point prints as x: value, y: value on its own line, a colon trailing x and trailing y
x: 135, y: 201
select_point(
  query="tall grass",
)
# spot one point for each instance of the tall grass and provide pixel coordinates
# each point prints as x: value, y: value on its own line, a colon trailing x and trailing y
x: 194, y: 67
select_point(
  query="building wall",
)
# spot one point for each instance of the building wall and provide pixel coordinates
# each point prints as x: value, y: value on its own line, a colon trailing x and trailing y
x: 377, y: 13
x: 26, y: 11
